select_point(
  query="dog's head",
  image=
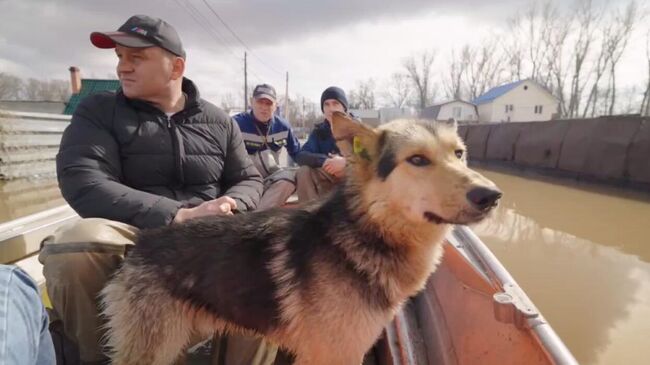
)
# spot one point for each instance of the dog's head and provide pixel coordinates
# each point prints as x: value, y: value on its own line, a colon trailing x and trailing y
x: 416, y: 169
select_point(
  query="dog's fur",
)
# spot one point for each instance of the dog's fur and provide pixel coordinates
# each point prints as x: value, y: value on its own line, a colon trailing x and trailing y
x: 321, y: 281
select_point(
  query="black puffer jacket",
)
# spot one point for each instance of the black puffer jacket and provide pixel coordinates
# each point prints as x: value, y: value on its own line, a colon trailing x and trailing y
x: 125, y: 160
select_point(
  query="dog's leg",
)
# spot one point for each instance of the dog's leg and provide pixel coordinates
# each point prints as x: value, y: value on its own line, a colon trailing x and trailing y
x: 145, y: 325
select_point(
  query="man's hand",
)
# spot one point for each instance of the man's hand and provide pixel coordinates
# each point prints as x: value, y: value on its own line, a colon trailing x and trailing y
x: 221, y: 206
x: 335, y: 165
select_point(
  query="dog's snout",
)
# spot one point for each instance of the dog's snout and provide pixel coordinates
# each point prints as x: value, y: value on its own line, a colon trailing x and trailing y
x: 483, y: 198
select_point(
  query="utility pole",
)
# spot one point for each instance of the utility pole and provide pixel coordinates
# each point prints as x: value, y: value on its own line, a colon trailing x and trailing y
x: 286, y: 98
x: 245, y: 82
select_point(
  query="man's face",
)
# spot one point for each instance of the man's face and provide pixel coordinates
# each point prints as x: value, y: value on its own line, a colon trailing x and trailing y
x: 144, y: 73
x: 330, y: 106
x: 263, y: 109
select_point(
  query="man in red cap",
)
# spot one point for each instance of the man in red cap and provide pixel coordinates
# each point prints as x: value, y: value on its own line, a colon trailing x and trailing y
x: 151, y: 154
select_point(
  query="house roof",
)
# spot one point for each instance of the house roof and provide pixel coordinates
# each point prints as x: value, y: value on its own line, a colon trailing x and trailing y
x: 495, y: 92
x: 452, y: 101
x: 431, y: 112
x: 90, y: 86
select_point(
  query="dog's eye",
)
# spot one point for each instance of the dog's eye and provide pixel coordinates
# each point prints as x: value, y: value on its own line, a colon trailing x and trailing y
x: 459, y: 153
x: 418, y: 160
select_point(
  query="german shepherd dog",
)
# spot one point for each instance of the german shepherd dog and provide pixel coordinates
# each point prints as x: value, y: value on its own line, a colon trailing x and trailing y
x: 320, y: 280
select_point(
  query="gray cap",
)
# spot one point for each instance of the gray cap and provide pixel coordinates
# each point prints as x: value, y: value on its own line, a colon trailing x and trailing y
x: 264, y: 91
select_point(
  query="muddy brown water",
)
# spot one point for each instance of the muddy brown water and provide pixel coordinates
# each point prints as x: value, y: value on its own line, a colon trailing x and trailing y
x: 582, y: 254
x: 22, y: 197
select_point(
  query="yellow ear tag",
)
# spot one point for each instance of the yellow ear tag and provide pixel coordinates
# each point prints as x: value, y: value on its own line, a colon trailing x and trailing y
x: 356, y: 145
x: 358, y: 148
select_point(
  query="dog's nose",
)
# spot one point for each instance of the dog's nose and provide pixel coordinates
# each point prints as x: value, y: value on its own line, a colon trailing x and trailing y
x: 483, y: 198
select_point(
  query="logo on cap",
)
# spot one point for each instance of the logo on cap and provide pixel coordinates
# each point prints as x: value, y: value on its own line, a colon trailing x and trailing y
x: 139, y: 31
x: 264, y: 91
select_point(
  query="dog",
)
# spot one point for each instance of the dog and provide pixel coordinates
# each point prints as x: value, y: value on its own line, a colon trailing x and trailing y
x: 321, y: 280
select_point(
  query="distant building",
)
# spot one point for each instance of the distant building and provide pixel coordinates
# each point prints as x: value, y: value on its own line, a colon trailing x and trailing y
x: 367, y: 116
x: 84, y: 87
x: 457, y: 109
x: 375, y: 117
x: 388, y: 114
x: 520, y: 101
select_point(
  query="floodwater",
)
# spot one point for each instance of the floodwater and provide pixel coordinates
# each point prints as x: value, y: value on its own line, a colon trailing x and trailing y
x: 22, y: 197
x: 582, y: 254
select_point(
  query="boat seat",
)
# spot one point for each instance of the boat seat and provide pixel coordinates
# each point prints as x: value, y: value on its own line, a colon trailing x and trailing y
x: 34, y: 268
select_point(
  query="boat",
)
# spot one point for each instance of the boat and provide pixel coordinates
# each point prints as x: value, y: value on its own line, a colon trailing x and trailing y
x: 471, y: 311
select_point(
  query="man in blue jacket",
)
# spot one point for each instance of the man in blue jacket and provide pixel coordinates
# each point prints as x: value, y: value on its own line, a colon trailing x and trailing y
x: 322, y: 165
x: 265, y: 134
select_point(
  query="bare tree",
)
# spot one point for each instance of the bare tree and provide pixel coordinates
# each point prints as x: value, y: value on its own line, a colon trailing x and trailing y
x: 555, y: 72
x: 645, y: 104
x: 587, y: 19
x: 598, y: 69
x: 453, y: 82
x: 533, y: 27
x: 57, y: 90
x: 513, y: 50
x: 617, y: 37
x: 40, y: 90
x: 228, y: 102
x: 363, y: 97
x: 10, y: 87
x: 419, y: 70
x: 614, y: 36
x: 398, y: 90
x: 629, y: 100
x: 484, y: 67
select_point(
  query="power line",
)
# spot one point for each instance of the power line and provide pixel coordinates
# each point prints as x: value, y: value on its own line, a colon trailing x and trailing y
x: 201, y: 20
x: 206, y: 25
x: 239, y: 39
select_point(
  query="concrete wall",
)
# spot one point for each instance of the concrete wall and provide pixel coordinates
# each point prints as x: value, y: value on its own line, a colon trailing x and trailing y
x: 608, y: 149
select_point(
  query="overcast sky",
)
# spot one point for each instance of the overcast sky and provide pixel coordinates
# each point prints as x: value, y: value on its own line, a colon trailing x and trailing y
x: 320, y: 43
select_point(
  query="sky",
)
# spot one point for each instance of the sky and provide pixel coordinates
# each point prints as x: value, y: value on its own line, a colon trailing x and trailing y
x: 319, y: 43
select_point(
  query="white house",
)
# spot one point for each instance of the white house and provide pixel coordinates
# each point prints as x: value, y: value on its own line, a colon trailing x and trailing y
x: 458, y: 109
x: 519, y: 101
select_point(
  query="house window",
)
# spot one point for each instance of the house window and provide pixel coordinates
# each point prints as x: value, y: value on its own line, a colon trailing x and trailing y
x: 456, y: 112
x: 538, y: 109
x: 509, y: 107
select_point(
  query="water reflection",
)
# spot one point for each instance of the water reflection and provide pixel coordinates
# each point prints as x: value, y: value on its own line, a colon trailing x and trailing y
x: 22, y: 197
x: 583, y: 258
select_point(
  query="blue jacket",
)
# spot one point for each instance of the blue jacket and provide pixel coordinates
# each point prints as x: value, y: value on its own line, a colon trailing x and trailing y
x: 280, y: 135
x: 318, y: 146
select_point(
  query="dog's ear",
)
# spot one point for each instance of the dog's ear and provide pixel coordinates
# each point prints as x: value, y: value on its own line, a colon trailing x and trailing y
x: 352, y: 136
